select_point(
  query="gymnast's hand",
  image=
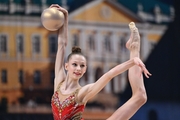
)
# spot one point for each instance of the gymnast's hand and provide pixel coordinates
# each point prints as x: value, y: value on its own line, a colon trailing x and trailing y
x: 137, y: 61
x: 63, y: 31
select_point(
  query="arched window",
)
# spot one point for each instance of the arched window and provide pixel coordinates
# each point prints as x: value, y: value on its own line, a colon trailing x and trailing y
x: 53, y: 42
x: 20, y: 43
x: 98, y: 73
x: 36, y: 45
x: 52, y: 76
x: 4, y: 76
x: 112, y: 86
x: 85, y: 78
x: 3, y: 43
x: 75, y: 40
x: 122, y: 43
x: 107, y: 43
x: 21, y: 76
x: 37, y: 77
x: 92, y: 42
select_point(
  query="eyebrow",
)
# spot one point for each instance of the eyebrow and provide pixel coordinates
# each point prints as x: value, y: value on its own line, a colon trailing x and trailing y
x: 78, y: 62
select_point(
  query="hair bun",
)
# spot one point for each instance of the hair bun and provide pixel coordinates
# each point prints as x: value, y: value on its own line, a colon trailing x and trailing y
x: 76, y: 49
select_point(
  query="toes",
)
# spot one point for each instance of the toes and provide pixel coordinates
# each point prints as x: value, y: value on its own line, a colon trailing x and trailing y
x: 135, y: 35
x: 131, y: 25
x: 134, y: 41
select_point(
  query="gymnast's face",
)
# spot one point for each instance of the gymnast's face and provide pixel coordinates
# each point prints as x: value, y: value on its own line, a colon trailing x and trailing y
x: 76, y: 66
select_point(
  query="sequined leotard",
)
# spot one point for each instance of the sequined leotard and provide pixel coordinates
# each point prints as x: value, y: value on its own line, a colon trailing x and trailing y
x: 68, y: 109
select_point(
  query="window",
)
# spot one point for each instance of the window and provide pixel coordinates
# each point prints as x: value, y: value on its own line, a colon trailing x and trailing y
x: 108, y: 43
x: 21, y: 76
x: 112, y: 85
x: 52, y: 76
x: 85, y: 76
x: 36, y: 44
x: 152, y: 45
x: 91, y: 42
x: 75, y: 40
x: 98, y: 73
x: 53, y: 44
x: 37, y: 77
x: 122, y: 43
x: 4, y: 76
x: 20, y: 43
x: 3, y: 43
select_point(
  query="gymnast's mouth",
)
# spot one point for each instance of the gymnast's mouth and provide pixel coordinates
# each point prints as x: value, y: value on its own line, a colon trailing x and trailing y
x: 78, y: 74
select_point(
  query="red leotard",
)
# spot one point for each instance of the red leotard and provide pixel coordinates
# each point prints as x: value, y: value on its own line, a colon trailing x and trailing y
x: 68, y: 109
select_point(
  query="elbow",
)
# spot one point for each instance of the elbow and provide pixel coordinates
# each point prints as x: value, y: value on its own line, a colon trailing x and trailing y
x: 141, y: 97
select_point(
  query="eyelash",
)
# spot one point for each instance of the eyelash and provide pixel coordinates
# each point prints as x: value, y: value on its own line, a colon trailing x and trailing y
x: 82, y: 65
x: 74, y: 64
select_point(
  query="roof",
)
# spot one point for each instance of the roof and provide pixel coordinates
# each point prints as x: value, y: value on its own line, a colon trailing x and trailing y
x: 163, y: 63
x: 113, y: 5
x: 131, y: 5
x: 148, y: 6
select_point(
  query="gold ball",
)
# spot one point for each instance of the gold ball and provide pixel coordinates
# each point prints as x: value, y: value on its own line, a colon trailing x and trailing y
x: 52, y: 19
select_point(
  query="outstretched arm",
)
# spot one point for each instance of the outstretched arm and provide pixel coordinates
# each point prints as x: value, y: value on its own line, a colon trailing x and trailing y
x: 89, y: 91
x: 62, y: 42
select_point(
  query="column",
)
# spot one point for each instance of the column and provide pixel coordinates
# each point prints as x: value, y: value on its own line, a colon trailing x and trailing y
x: 82, y: 40
x: 99, y: 43
x: 91, y: 74
x: 117, y: 85
x: 123, y: 81
x: 125, y: 54
x: 108, y: 86
x: 145, y: 47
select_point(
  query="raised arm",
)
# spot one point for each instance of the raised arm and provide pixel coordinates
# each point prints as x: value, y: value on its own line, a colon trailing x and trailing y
x: 62, y: 42
x: 89, y: 91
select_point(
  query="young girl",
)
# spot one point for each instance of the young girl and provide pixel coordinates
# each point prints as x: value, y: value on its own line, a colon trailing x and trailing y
x: 69, y: 98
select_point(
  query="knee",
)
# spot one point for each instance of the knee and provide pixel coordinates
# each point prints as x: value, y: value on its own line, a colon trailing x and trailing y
x: 143, y: 98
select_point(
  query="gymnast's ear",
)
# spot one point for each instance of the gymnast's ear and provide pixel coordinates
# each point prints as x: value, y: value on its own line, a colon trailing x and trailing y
x: 66, y: 66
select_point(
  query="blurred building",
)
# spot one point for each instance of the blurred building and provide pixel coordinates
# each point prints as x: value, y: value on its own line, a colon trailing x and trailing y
x: 100, y: 28
x: 26, y: 54
x: 163, y: 86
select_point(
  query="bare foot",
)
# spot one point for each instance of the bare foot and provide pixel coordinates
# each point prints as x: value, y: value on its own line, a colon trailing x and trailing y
x: 134, y: 41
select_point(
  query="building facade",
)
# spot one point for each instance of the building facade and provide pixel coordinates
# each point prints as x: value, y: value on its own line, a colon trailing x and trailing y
x: 27, y: 49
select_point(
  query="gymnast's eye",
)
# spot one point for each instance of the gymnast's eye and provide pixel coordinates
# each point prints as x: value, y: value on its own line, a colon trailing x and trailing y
x: 82, y: 66
x: 74, y: 64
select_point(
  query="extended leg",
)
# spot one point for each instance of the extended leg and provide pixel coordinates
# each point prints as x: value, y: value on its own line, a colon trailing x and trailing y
x: 139, y: 97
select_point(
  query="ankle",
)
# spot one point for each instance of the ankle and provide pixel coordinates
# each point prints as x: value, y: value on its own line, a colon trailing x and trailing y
x: 135, y: 46
x: 134, y: 53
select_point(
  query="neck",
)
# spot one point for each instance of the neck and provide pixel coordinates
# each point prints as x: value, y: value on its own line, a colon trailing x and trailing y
x: 70, y: 83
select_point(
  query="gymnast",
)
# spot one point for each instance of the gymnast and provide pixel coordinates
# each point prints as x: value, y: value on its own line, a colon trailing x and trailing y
x: 70, y: 98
